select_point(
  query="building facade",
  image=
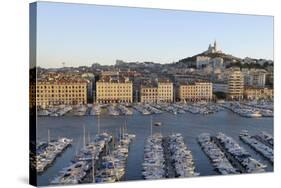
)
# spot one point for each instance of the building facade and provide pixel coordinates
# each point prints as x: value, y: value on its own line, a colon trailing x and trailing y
x: 196, y: 91
x: 235, y: 84
x: 60, y: 92
x: 160, y: 92
x: 110, y: 90
x: 149, y: 94
x: 255, y: 93
x: 254, y: 77
x: 259, y: 78
x: 165, y: 92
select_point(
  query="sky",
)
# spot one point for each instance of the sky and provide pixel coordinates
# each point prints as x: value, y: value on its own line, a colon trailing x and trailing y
x: 81, y: 34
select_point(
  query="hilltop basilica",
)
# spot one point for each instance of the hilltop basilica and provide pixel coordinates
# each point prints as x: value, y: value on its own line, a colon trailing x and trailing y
x: 212, y: 49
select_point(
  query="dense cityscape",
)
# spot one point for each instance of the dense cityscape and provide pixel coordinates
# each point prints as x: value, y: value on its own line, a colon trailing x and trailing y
x: 147, y: 120
x: 209, y: 76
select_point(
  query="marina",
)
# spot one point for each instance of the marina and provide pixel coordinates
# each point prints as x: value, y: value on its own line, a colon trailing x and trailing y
x: 203, y: 108
x: 238, y: 155
x: 112, y: 110
x: 113, y: 165
x: 140, y: 94
x: 181, y: 156
x: 153, y: 164
x: 83, y: 161
x: 47, y: 152
x: 248, y: 111
x: 215, y: 154
x: 264, y: 150
x: 265, y: 138
x: 124, y: 110
x: 167, y: 157
x: 139, y: 125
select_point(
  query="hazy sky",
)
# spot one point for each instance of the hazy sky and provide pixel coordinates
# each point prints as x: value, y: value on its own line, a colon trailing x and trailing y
x: 80, y: 34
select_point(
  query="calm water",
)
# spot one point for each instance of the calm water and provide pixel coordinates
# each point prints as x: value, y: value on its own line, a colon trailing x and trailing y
x: 189, y: 125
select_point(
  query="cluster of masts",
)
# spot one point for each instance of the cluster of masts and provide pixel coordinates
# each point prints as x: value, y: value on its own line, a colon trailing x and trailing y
x: 228, y: 157
x: 102, y: 160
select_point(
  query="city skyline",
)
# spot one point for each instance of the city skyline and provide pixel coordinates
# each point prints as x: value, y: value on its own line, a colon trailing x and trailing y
x: 85, y: 34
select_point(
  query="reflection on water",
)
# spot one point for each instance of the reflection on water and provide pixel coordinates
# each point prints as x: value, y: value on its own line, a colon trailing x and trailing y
x: 189, y: 125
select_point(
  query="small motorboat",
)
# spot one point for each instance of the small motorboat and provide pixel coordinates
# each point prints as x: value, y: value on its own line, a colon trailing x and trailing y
x: 158, y: 123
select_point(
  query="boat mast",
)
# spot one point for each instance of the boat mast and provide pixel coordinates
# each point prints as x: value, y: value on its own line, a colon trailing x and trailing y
x: 89, y: 138
x: 120, y: 134
x: 49, y: 137
x: 151, y: 125
x: 84, y: 137
x: 98, y: 124
x: 125, y: 125
x: 93, y: 167
x: 113, y: 140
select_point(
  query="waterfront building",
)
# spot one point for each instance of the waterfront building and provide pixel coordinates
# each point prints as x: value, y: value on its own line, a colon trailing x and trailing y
x: 256, y: 93
x: 165, y: 91
x: 68, y: 92
x: 235, y: 84
x: 114, y: 90
x: 149, y: 94
x: 196, y: 91
x: 161, y: 91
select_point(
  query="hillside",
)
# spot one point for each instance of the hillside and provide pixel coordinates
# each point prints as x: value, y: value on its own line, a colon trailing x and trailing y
x: 226, y: 57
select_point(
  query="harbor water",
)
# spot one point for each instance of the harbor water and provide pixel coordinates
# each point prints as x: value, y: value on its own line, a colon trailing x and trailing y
x: 189, y: 125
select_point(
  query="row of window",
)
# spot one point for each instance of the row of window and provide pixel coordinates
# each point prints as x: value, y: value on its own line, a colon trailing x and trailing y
x: 203, y: 95
x: 60, y: 91
x: 149, y: 94
x: 107, y: 95
x: 114, y: 87
x: 60, y: 87
x: 66, y: 95
x: 114, y: 91
x: 41, y: 103
x: 165, y: 94
x: 149, y: 97
x: 195, y: 91
x: 148, y: 90
x: 64, y: 100
x: 194, y: 88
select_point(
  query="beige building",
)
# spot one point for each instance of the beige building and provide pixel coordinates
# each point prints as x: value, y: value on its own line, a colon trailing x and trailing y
x: 165, y: 91
x: 149, y: 94
x: 161, y: 92
x: 196, y: 91
x: 50, y: 93
x: 110, y: 90
x: 254, y: 93
x: 235, y: 84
